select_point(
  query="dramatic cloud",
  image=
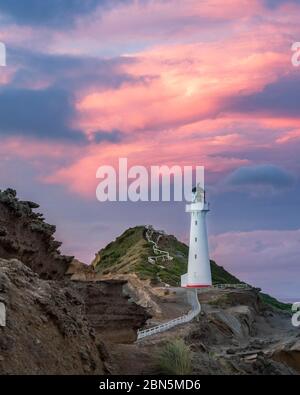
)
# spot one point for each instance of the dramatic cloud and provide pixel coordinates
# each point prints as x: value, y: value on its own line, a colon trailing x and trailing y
x: 41, y: 113
x: 115, y: 136
x: 181, y: 90
x: 279, y: 99
x: 52, y: 12
x: 277, y: 3
x: 261, y: 175
x: 160, y: 82
x: 71, y: 72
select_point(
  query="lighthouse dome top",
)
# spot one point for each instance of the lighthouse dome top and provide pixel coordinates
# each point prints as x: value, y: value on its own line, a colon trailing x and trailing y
x: 199, y: 194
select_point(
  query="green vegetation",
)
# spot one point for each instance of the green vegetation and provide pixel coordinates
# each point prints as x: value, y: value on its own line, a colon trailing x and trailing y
x: 129, y: 253
x: 269, y: 300
x: 221, y: 276
x: 124, y: 254
x: 174, y: 358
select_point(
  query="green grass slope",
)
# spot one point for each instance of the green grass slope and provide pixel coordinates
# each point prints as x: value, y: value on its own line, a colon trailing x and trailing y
x: 269, y: 300
x: 129, y: 253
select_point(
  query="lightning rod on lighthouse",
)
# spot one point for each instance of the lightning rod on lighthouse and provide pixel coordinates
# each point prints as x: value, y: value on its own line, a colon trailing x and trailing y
x: 199, y: 272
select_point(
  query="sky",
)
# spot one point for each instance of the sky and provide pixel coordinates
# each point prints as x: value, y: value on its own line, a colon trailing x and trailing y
x: 160, y: 82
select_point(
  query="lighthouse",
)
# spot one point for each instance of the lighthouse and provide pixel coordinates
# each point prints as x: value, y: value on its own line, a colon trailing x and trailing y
x: 199, y: 273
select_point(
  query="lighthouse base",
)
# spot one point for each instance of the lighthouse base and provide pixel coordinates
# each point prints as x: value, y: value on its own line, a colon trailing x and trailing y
x: 186, y: 283
x: 196, y: 286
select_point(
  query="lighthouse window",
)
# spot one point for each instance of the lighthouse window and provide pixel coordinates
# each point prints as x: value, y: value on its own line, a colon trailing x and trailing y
x: 195, y: 256
x: 196, y: 222
x: 195, y: 238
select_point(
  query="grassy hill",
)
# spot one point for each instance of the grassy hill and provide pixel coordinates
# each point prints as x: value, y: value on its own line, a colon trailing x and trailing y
x: 129, y: 253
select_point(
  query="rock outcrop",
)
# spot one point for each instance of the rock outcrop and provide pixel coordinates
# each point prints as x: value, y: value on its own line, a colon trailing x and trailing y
x: 238, y: 337
x: 62, y: 327
x: 47, y: 331
x: 287, y: 351
x: 26, y: 236
x: 111, y: 313
x: 62, y: 318
x: 50, y: 323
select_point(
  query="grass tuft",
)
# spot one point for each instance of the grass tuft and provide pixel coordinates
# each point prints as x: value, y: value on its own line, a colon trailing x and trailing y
x: 175, y: 358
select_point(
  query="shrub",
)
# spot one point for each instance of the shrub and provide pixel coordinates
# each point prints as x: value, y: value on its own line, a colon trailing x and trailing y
x: 175, y: 358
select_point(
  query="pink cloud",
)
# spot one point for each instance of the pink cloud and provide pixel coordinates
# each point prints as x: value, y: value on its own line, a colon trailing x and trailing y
x: 189, y: 83
x: 32, y: 148
x: 174, y: 112
x: 6, y: 75
x: 292, y: 135
x: 153, y: 20
x: 80, y: 177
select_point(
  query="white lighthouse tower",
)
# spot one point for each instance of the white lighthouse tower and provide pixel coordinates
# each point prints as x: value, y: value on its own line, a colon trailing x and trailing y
x: 199, y: 273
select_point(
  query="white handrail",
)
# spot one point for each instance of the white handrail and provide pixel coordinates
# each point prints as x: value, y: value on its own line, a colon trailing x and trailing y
x: 237, y: 286
x: 159, y: 254
x: 196, y: 309
x: 192, y: 294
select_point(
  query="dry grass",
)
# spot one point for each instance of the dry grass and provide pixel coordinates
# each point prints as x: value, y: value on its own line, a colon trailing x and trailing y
x: 174, y: 358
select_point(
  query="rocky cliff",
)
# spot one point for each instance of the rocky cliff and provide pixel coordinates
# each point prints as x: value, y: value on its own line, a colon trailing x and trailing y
x: 111, y: 313
x: 57, y: 317
x: 234, y: 334
x: 26, y: 236
x: 62, y: 327
x: 47, y: 331
x: 48, y: 323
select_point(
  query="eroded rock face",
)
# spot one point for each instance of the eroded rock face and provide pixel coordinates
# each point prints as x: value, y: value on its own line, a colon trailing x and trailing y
x: 110, y: 312
x: 62, y: 327
x: 25, y: 235
x: 233, y: 338
x: 47, y: 331
x: 288, y: 352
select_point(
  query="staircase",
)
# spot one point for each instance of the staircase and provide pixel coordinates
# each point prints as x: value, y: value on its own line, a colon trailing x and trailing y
x: 196, y: 309
x: 158, y: 254
x: 192, y: 294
